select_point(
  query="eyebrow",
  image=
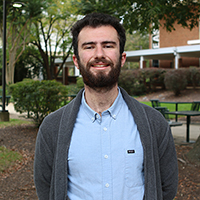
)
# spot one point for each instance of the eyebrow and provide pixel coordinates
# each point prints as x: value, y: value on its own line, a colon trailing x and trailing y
x: 109, y: 42
x: 87, y: 43
x: 104, y: 42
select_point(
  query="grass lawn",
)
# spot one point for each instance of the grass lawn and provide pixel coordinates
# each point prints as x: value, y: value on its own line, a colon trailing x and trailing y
x: 8, y: 158
x: 15, y: 122
x: 171, y: 107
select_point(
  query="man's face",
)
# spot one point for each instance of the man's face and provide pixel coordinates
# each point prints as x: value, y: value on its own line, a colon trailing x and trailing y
x: 99, y: 58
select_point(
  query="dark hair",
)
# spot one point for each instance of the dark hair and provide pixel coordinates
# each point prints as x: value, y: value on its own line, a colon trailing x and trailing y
x: 96, y: 20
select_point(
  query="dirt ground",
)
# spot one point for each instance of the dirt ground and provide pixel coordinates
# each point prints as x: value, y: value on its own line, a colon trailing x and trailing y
x: 16, y: 183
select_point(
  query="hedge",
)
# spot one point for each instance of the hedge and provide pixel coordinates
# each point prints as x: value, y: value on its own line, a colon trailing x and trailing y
x: 37, y: 98
x: 141, y: 81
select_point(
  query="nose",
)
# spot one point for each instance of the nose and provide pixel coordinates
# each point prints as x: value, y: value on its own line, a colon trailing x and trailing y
x: 99, y: 53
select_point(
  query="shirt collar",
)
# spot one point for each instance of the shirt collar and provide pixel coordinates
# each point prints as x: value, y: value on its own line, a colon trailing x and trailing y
x: 113, y: 110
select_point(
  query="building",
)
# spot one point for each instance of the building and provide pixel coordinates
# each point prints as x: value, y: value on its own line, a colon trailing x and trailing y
x: 180, y: 37
x: 175, y: 49
x: 69, y: 72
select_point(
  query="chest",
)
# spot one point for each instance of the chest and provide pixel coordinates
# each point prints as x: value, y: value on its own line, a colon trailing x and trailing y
x: 106, y: 141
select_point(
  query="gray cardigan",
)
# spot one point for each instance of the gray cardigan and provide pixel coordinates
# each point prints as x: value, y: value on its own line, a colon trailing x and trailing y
x: 53, y: 141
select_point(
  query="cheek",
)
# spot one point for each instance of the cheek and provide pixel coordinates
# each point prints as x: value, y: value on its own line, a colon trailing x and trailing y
x: 114, y: 57
x: 84, y: 58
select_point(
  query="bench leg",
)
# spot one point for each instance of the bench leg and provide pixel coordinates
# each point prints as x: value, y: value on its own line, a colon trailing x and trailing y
x: 188, y: 129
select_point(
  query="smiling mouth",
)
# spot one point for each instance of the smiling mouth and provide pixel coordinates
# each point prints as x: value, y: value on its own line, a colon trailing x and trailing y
x: 100, y: 65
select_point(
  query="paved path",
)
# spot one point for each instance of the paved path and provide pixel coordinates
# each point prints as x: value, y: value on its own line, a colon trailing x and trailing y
x: 179, y: 132
x: 13, y: 113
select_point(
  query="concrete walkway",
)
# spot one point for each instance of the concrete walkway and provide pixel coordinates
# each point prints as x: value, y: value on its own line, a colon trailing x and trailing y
x: 179, y: 132
x: 13, y: 113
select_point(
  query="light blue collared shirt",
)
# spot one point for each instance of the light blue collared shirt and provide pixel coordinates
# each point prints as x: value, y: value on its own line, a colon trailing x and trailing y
x: 105, y: 159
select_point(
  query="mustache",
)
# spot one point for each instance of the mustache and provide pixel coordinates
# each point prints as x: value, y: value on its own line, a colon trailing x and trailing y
x: 102, y: 60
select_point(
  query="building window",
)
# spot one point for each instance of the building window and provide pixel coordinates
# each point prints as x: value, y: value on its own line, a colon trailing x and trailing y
x: 155, y: 63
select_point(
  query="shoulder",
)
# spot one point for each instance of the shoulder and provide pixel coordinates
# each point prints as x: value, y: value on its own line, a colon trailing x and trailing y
x: 146, y: 117
x: 137, y: 107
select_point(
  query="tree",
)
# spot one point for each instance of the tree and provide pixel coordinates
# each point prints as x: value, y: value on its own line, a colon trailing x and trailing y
x: 19, y: 23
x: 28, y: 66
x: 135, y: 41
x: 51, y: 36
x: 145, y: 16
x: 1, y: 66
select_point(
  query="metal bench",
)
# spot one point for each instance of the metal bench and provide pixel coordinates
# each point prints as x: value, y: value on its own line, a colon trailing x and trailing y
x: 195, y: 106
x: 164, y: 111
x: 155, y: 103
x: 7, y: 100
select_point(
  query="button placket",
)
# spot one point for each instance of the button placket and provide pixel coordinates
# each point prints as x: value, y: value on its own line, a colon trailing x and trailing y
x: 106, y: 162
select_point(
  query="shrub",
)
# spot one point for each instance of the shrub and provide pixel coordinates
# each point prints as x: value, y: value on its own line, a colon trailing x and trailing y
x: 153, y: 77
x: 79, y: 82
x: 38, y: 99
x: 193, y: 76
x: 132, y: 82
x: 175, y: 80
x: 140, y: 81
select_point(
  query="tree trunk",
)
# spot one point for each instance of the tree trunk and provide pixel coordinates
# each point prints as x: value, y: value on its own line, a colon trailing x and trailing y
x: 194, y: 154
x: 45, y: 63
x: 18, y: 41
x: 10, y: 68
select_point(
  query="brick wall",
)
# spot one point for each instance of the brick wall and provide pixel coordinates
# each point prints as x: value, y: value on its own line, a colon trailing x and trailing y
x: 179, y: 37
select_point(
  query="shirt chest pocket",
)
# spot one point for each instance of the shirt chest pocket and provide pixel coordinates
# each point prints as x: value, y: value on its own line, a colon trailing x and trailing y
x: 134, y: 170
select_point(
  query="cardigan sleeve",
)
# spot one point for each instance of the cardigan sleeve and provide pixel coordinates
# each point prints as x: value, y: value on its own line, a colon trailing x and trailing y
x: 42, y: 167
x: 168, y: 166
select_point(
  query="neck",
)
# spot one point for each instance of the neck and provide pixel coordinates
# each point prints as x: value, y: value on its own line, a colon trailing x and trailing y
x: 100, y: 99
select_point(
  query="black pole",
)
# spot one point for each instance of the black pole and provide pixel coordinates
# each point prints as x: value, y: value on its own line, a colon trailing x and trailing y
x: 4, y: 58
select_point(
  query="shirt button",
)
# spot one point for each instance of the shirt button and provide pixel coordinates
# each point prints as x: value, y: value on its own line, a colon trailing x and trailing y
x: 106, y: 156
x: 107, y: 185
x: 105, y: 129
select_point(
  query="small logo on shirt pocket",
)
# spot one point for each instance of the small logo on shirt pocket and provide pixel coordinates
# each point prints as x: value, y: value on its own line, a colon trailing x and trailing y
x: 130, y: 151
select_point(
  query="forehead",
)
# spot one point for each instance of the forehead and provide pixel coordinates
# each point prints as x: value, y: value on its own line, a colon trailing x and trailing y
x: 98, y: 34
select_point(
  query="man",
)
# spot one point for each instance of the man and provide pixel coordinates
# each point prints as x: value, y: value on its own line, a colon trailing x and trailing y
x: 104, y: 144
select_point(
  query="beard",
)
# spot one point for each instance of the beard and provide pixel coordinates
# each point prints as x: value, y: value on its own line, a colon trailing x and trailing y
x: 100, y: 80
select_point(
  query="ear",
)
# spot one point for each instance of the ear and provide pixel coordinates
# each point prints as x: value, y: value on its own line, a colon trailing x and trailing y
x: 75, y: 60
x: 123, y: 59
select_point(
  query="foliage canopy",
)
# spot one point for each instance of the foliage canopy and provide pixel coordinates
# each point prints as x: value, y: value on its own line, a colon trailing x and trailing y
x: 144, y: 15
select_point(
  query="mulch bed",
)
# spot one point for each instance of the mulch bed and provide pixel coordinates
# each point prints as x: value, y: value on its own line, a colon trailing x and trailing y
x: 16, y: 183
x: 189, y: 175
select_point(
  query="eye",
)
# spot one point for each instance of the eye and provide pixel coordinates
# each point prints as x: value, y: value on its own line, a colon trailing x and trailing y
x: 108, y: 46
x: 88, y: 47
